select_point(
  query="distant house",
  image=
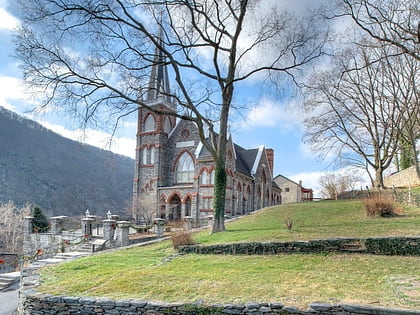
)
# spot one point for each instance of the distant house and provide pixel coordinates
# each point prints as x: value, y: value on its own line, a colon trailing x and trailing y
x: 292, y: 191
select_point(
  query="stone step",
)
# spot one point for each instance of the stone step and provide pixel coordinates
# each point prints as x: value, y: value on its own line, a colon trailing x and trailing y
x: 8, y: 279
x: 354, y: 247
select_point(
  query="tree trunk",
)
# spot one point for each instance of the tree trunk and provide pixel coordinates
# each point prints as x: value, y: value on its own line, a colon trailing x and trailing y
x: 219, y: 196
x: 379, y: 179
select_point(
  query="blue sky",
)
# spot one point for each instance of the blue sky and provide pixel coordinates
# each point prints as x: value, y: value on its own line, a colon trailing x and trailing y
x: 275, y: 123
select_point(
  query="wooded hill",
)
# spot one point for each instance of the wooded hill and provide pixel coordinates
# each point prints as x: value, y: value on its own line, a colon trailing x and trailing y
x: 61, y: 176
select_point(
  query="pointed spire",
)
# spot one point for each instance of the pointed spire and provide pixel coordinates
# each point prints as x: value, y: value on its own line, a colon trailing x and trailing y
x: 159, y: 80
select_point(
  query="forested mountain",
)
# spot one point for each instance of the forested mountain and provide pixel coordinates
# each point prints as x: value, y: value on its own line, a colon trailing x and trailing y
x: 61, y: 176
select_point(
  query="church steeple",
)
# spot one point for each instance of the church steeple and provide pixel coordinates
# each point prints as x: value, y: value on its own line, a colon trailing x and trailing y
x: 159, y: 80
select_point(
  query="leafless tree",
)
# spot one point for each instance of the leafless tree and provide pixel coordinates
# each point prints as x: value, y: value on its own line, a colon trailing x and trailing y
x: 354, y: 115
x: 334, y: 184
x: 93, y: 58
x: 390, y: 22
x: 11, y: 227
x: 404, y: 79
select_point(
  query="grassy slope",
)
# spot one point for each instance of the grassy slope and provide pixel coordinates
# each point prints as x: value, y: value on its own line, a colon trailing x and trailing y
x: 292, y: 279
x: 315, y: 220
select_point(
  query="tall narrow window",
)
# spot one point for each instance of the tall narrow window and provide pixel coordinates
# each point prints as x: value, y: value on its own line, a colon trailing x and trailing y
x: 144, y: 155
x: 203, y: 178
x: 149, y: 124
x: 212, y: 177
x: 152, y: 155
x: 184, y: 169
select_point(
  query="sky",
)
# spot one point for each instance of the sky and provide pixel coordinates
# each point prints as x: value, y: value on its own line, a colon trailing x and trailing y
x: 275, y: 123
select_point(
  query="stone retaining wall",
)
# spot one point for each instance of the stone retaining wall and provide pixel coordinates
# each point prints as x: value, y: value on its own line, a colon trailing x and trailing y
x: 379, y: 246
x: 404, y: 178
x: 32, y: 302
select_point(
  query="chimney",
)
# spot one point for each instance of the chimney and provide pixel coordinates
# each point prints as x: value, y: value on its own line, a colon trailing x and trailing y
x: 270, y: 158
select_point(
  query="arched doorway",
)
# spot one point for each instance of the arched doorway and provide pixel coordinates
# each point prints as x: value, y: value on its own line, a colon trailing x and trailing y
x: 174, y: 208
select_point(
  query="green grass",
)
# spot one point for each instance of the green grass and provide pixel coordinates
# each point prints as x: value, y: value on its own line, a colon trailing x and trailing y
x: 315, y: 220
x: 297, y: 280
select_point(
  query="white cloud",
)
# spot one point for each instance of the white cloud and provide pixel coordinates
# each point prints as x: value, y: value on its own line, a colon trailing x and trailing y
x: 7, y: 21
x: 268, y: 113
x: 11, y: 89
x: 121, y: 145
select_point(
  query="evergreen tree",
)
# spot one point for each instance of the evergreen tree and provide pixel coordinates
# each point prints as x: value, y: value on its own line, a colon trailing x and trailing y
x: 40, y: 222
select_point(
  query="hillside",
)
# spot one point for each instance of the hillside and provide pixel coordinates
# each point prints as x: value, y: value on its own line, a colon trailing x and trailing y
x: 61, y: 176
x: 156, y: 273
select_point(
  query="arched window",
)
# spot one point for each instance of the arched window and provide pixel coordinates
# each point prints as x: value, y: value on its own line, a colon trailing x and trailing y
x: 149, y: 124
x: 167, y: 126
x: 184, y: 169
x: 212, y: 177
x: 144, y: 155
x: 203, y: 178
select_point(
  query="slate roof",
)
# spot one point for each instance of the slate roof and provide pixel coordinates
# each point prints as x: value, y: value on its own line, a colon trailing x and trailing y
x: 245, y: 159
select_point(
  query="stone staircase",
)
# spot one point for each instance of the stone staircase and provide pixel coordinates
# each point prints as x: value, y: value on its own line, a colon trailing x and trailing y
x: 7, y: 280
x: 85, y: 247
x: 354, y: 247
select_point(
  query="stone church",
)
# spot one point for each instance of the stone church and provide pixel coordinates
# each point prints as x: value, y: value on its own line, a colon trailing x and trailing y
x: 174, y: 173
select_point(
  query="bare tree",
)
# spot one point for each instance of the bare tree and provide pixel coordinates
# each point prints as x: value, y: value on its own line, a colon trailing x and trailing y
x: 11, y: 227
x: 93, y: 57
x: 353, y: 112
x: 334, y: 184
x: 390, y: 22
x: 404, y: 78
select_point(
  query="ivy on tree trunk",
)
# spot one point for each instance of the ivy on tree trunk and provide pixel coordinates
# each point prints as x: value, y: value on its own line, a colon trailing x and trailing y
x: 219, y: 196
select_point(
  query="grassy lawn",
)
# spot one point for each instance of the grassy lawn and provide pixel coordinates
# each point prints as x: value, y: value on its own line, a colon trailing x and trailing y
x: 296, y: 280
x: 315, y: 220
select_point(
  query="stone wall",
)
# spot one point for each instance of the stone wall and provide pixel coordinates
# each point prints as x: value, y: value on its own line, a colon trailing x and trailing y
x: 404, y: 178
x: 378, y: 246
x: 41, y: 304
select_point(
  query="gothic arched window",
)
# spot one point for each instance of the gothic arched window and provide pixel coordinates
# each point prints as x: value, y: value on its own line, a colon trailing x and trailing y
x: 167, y: 126
x: 149, y: 124
x: 184, y: 171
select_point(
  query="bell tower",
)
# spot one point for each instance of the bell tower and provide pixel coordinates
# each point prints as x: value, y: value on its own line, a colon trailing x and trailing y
x: 153, y: 127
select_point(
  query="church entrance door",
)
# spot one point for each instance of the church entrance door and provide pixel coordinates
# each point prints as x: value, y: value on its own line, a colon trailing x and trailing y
x: 175, y: 208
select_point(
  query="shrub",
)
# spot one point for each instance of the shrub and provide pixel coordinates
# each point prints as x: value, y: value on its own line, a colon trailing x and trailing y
x: 181, y: 237
x: 289, y: 223
x: 377, y: 206
x: 40, y: 222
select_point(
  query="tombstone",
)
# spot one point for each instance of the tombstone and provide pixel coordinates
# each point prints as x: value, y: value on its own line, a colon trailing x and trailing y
x: 160, y: 227
x: 209, y: 220
x: 123, y: 228
x: 188, y: 223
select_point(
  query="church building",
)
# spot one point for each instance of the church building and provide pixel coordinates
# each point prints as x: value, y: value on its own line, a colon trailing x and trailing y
x: 174, y: 173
